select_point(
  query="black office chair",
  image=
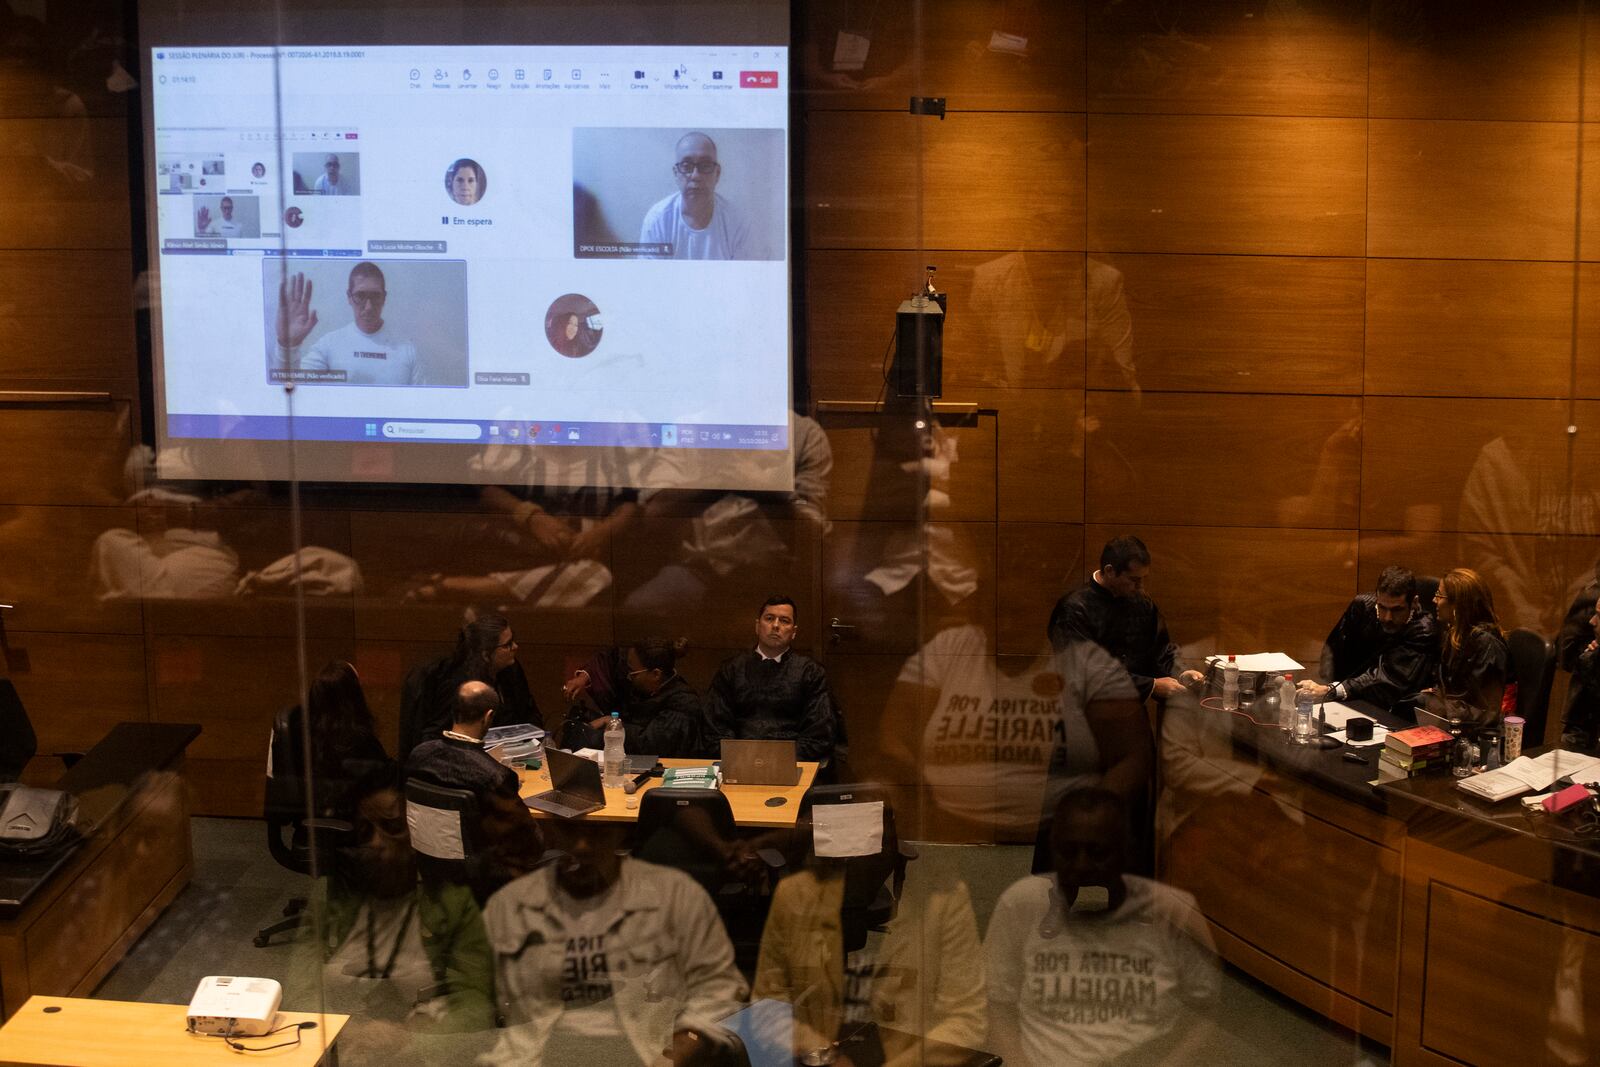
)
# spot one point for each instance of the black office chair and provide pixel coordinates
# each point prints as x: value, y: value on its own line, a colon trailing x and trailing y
x: 872, y: 883
x: 298, y: 840
x: 1533, y: 665
x: 444, y: 833
x: 417, y: 695
x: 18, y: 743
x: 690, y: 830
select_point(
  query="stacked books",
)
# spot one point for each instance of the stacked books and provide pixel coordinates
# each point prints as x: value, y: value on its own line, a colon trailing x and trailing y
x: 1407, y: 753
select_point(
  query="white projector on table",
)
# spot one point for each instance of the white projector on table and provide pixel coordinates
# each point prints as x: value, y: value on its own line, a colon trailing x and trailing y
x: 238, y: 1007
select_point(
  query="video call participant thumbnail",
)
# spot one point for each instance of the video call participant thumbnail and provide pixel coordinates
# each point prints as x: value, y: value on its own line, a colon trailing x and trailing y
x: 696, y: 221
x: 226, y: 226
x: 366, y: 350
x: 466, y: 182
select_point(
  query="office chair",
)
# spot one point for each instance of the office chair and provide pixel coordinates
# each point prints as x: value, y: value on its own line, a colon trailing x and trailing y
x: 297, y: 839
x: 444, y: 832
x: 18, y: 743
x: 1533, y: 665
x: 873, y: 882
x: 417, y: 692
x: 689, y: 830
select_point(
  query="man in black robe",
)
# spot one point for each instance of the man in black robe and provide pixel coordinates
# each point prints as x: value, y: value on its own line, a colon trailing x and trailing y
x: 773, y: 693
x: 1111, y: 610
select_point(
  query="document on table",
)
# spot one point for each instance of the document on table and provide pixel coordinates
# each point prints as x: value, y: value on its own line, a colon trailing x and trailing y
x: 1274, y: 662
x: 1338, y: 714
x: 1532, y: 774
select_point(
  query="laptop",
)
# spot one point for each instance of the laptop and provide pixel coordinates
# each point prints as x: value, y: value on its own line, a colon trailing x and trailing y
x: 576, y: 788
x: 759, y: 763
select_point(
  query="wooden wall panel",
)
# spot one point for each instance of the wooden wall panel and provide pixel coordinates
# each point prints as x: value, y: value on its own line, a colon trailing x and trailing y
x: 1471, y: 190
x: 1016, y: 320
x: 1170, y: 458
x: 79, y: 686
x: 1466, y: 328
x: 861, y: 174
x: 1495, y: 465
x: 1589, y: 205
x: 66, y: 183
x: 399, y: 551
x: 1147, y: 56
x: 1039, y: 469
x: 1035, y: 564
x: 1245, y: 590
x: 1586, y: 355
x: 47, y: 572
x: 979, y: 55
x: 66, y: 315
x: 1026, y: 193
x: 66, y: 453
x: 1208, y: 184
x: 1468, y: 61
x: 963, y: 556
x: 1533, y: 577
x: 878, y: 470
x: 1252, y: 324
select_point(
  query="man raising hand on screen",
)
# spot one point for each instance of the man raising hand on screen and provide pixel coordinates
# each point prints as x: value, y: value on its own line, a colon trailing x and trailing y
x: 366, y: 351
x: 695, y: 221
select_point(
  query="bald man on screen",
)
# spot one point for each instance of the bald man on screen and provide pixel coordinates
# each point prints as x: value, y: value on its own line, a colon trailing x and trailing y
x: 696, y: 221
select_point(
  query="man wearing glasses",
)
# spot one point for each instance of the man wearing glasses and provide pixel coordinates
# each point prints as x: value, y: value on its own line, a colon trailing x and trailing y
x: 695, y: 221
x: 365, y: 351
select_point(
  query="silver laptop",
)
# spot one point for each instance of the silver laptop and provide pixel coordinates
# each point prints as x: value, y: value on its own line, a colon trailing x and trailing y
x: 575, y: 786
x: 759, y: 763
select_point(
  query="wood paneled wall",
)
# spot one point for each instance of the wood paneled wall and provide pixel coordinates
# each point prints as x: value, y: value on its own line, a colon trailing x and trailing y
x: 1292, y: 295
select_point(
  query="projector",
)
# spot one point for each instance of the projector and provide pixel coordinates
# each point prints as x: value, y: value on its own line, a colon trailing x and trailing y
x: 237, y: 1007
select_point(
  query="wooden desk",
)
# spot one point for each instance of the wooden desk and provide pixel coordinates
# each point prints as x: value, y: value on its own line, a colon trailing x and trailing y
x: 749, y: 802
x: 74, y: 1032
x: 65, y: 920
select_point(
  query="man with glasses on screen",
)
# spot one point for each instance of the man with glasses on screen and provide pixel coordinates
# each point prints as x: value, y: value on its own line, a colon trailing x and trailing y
x: 366, y: 350
x: 695, y: 221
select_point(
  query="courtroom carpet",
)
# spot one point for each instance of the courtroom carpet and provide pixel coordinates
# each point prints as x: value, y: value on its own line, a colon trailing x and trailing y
x: 238, y: 889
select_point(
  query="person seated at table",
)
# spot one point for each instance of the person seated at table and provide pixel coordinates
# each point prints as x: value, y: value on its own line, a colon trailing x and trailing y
x: 1091, y: 964
x: 1474, y: 678
x: 1579, y: 651
x: 917, y: 976
x: 1111, y: 610
x: 661, y: 712
x: 348, y: 762
x: 456, y: 758
x: 1384, y: 646
x: 773, y: 693
x: 599, y: 956
x: 486, y: 651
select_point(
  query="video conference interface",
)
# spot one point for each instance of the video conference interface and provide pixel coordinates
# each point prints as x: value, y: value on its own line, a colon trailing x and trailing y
x: 511, y: 245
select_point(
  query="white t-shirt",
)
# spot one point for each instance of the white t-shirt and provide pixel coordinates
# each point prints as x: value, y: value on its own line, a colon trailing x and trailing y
x: 726, y: 236
x: 326, y: 188
x: 1104, y: 984
x: 996, y: 742
x: 229, y: 228
x: 381, y: 358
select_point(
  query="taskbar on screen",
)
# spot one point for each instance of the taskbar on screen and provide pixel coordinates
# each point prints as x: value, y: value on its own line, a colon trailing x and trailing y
x: 458, y: 431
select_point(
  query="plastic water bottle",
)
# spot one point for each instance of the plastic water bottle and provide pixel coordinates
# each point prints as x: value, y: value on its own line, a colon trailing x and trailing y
x: 615, y: 756
x: 1230, y: 685
x: 1305, y: 719
x: 1286, y: 702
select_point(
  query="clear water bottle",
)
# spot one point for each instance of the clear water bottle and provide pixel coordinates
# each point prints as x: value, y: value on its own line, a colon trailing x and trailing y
x: 615, y: 756
x: 1230, y: 685
x: 1267, y: 712
x: 1305, y: 719
x: 1286, y: 703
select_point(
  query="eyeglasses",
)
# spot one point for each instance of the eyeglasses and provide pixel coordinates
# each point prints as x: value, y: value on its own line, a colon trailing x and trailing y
x: 641, y: 670
x: 369, y: 297
x: 696, y: 166
x: 510, y: 642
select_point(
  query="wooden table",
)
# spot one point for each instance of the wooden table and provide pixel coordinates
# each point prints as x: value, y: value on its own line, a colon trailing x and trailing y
x: 749, y: 802
x: 70, y: 1031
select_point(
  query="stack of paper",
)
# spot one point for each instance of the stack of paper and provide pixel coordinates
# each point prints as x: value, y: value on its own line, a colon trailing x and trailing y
x: 1531, y: 774
x: 1272, y: 662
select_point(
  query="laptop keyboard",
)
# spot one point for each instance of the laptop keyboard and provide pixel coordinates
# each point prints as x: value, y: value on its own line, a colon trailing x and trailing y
x: 570, y: 800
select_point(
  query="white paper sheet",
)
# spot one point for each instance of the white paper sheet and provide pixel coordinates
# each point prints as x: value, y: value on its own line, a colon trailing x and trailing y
x: 1378, y: 735
x: 1276, y: 662
x: 841, y: 830
x: 1338, y: 714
